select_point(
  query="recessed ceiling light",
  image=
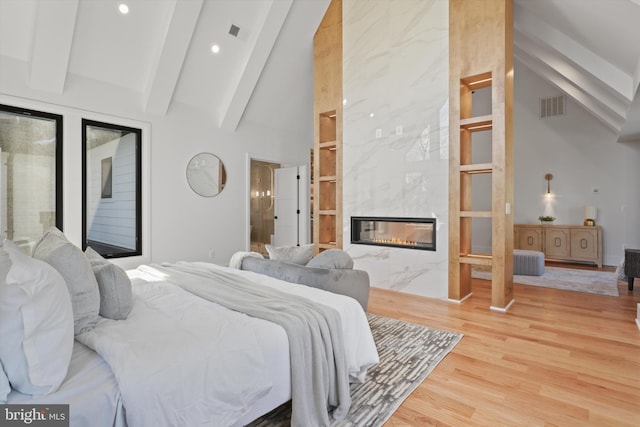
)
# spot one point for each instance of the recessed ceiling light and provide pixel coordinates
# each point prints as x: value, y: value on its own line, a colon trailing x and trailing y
x: 123, y: 8
x: 215, y: 48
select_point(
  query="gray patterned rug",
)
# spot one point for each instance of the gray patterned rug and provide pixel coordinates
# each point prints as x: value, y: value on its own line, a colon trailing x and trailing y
x: 568, y: 279
x: 408, y: 353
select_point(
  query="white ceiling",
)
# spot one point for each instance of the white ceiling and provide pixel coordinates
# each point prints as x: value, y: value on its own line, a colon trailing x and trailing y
x: 160, y: 52
x: 589, y: 50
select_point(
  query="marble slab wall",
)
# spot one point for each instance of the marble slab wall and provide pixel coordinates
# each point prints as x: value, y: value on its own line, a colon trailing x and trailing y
x: 395, y: 134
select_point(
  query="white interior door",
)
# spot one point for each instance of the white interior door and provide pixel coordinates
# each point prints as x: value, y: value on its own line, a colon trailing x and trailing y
x: 304, y: 219
x: 286, y: 207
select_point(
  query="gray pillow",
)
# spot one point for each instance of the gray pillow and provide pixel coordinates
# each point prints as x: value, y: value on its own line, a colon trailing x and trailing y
x: 293, y: 254
x: 54, y: 249
x: 332, y: 258
x: 116, y: 299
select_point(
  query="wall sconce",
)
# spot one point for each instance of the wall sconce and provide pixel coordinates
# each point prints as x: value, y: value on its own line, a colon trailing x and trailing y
x: 548, y: 177
x: 590, y: 215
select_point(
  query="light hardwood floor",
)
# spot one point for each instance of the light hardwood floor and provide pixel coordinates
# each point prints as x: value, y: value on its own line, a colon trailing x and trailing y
x: 556, y: 358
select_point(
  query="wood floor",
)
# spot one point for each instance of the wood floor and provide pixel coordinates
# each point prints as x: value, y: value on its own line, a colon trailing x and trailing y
x: 556, y: 358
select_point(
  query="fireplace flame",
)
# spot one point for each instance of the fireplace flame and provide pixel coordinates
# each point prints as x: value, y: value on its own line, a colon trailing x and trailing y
x: 396, y: 241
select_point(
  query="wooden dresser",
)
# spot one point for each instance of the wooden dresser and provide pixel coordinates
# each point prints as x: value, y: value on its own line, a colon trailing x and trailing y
x: 561, y: 242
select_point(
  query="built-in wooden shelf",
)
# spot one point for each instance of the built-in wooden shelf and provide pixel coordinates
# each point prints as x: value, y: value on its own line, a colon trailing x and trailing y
x: 329, y: 145
x: 476, y: 259
x: 327, y: 105
x: 477, y: 124
x: 477, y: 168
x: 475, y: 214
x: 477, y: 81
x: 329, y: 245
x: 480, y: 36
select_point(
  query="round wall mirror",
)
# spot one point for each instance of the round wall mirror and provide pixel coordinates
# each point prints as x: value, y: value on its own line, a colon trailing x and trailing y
x: 206, y: 174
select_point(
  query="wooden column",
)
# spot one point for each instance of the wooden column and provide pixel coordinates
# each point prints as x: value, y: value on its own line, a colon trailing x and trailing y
x: 327, y: 109
x: 481, y: 55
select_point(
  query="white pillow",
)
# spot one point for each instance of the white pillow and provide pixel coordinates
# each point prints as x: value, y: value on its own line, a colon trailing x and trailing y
x: 36, y: 324
x: 294, y: 254
x: 54, y: 249
x: 5, y: 388
x: 116, y: 298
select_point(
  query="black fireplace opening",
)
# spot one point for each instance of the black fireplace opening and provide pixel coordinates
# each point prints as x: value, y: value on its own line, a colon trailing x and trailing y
x: 410, y: 233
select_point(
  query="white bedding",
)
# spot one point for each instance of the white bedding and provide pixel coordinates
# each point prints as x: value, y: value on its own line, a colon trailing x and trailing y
x: 359, y: 345
x: 90, y: 390
x: 166, y: 355
x: 167, y: 361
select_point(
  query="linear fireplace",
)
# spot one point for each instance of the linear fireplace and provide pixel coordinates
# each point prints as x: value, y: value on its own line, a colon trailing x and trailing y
x: 411, y: 233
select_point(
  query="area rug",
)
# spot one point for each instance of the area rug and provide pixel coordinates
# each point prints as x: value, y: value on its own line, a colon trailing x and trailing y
x: 408, y: 353
x: 568, y: 279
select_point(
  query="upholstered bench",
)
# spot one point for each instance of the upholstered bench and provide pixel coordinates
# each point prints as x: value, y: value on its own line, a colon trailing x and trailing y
x: 326, y: 271
x: 528, y: 263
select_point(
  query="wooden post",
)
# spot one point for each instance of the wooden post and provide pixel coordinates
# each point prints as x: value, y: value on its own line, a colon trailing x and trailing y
x: 481, y: 55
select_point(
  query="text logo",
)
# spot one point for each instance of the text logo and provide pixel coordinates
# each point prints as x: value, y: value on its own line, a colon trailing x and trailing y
x: 34, y: 415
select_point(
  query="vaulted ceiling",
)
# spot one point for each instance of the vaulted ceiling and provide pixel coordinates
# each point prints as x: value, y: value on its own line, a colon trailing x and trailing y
x: 589, y: 50
x: 160, y: 52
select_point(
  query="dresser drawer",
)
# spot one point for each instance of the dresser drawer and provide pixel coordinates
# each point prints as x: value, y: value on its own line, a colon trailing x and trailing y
x: 556, y: 242
x: 584, y: 244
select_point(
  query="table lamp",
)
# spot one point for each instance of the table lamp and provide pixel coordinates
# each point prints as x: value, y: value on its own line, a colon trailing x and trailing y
x: 590, y: 215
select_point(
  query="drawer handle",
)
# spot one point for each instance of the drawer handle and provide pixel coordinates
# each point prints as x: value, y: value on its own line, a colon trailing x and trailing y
x: 530, y: 241
x: 558, y: 242
x: 583, y: 243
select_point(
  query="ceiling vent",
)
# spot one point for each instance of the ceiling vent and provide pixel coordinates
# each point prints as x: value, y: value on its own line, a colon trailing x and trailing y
x: 234, y: 30
x: 553, y: 106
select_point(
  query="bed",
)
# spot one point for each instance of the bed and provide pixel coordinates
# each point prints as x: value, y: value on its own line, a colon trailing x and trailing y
x: 163, y: 364
x: 89, y: 389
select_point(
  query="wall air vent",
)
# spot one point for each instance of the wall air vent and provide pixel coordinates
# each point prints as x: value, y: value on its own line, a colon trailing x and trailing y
x: 553, y: 106
x: 234, y: 30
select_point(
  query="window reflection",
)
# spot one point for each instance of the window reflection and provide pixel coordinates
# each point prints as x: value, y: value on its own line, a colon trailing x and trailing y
x: 111, y: 189
x: 30, y: 174
x: 421, y: 148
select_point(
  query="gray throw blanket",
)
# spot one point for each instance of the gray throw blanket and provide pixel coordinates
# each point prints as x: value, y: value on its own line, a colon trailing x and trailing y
x: 319, y: 373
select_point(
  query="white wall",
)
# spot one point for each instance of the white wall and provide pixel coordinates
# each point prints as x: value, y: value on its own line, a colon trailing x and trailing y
x: 583, y: 155
x: 181, y: 225
x: 395, y: 59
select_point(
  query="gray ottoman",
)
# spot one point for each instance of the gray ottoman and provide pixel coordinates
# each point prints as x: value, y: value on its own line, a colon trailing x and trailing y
x: 528, y: 263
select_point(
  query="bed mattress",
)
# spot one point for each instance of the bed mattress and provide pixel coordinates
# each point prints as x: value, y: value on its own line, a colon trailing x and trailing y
x: 90, y: 389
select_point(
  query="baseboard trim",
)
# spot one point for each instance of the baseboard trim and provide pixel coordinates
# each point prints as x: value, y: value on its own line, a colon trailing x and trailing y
x: 460, y: 301
x: 502, y: 310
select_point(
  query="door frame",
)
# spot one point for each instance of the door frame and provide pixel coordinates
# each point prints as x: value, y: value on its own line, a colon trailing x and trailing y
x: 247, y: 192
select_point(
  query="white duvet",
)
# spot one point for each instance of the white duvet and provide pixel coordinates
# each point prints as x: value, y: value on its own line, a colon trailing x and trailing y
x: 181, y: 360
x: 167, y: 361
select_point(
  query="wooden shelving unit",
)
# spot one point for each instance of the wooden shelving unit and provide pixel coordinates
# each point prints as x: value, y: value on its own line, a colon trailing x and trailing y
x: 327, y: 221
x: 480, y: 56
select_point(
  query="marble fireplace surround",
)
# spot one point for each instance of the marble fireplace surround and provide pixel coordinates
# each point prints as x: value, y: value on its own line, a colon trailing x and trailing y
x: 396, y: 134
